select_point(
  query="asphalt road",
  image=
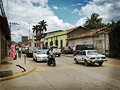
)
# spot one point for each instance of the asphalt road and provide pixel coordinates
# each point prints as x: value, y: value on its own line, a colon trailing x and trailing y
x: 67, y: 76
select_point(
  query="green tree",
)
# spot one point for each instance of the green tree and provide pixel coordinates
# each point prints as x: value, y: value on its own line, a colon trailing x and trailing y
x: 94, y: 22
x: 42, y: 26
x: 35, y: 29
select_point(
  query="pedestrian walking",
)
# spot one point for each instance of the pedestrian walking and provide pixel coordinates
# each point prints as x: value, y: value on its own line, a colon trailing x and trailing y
x: 73, y: 50
x: 19, y: 52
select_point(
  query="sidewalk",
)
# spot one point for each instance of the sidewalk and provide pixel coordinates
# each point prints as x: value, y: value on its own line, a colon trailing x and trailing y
x: 9, y: 64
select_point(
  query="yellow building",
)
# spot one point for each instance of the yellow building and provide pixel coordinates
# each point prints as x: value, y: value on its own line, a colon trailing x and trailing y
x: 56, y: 39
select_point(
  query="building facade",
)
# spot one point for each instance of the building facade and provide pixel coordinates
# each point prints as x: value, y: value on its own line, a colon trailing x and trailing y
x: 73, y: 32
x: 4, y: 37
x: 56, y: 39
x: 99, y: 38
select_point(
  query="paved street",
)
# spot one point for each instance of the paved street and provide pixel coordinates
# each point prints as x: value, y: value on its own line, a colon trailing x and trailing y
x: 67, y: 76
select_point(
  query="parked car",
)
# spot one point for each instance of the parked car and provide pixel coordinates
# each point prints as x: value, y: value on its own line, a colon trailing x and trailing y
x: 24, y: 49
x: 40, y: 55
x: 56, y: 50
x: 67, y: 49
x: 30, y: 51
x: 90, y: 57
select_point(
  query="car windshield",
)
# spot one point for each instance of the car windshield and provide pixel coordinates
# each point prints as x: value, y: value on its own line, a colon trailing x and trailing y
x: 93, y: 53
x: 41, y: 52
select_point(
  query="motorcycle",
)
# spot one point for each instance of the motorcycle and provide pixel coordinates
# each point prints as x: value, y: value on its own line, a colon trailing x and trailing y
x: 52, y: 60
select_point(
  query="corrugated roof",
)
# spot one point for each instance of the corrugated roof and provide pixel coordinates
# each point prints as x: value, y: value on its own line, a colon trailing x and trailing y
x: 90, y: 33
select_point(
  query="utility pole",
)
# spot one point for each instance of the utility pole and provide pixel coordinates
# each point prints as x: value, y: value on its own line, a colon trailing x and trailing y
x: 2, y: 8
x: 29, y: 33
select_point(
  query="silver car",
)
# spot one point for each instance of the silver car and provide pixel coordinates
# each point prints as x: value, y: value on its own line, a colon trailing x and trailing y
x: 40, y: 55
x: 90, y: 57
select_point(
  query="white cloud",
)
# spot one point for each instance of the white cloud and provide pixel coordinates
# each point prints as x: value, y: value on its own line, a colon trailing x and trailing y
x: 107, y: 9
x: 55, y: 7
x: 81, y: 21
x: 75, y: 10
x: 28, y: 15
x: 78, y: 4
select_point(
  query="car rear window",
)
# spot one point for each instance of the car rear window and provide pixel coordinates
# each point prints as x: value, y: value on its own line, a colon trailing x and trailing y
x: 93, y: 53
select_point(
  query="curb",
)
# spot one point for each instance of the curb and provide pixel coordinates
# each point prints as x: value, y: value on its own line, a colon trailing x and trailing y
x: 17, y: 75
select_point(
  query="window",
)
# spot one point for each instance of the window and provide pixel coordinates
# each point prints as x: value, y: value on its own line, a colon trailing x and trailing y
x: 61, y: 43
x: 56, y: 42
x: 83, y: 53
x: 51, y: 43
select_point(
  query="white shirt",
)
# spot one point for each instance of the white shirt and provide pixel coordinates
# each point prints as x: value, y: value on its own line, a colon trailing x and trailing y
x: 19, y: 49
x: 51, y: 52
x: 73, y: 48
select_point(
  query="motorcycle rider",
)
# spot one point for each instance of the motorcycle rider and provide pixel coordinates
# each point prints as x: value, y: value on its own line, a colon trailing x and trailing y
x: 51, y: 53
x: 48, y: 52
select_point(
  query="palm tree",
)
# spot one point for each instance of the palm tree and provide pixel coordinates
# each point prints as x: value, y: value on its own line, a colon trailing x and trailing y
x: 42, y: 26
x: 35, y: 29
x: 94, y: 22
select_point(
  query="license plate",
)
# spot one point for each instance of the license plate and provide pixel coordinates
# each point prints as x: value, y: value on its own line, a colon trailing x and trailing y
x: 98, y: 57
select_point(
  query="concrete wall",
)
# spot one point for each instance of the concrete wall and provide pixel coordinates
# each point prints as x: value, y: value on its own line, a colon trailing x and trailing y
x: 81, y: 41
x: 101, y: 43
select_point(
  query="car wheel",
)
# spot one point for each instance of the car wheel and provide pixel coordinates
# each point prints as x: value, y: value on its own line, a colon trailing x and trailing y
x: 76, y: 62
x: 100, y: 64
x: 58, y: 55
x: 86, y: 63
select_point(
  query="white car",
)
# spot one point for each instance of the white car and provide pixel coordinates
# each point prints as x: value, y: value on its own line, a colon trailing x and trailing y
x: 90, y: 57
x: 40, y: 55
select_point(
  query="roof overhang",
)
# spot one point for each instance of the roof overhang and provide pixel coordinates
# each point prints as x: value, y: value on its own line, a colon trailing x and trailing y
x: 5, y: 27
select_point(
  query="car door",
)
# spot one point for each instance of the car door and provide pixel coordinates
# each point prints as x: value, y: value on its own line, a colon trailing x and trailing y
x: 79, y: 56
x: 82, y: 56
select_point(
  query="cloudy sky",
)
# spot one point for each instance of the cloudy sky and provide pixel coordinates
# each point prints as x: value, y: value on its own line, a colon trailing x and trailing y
x: 59, y: 14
